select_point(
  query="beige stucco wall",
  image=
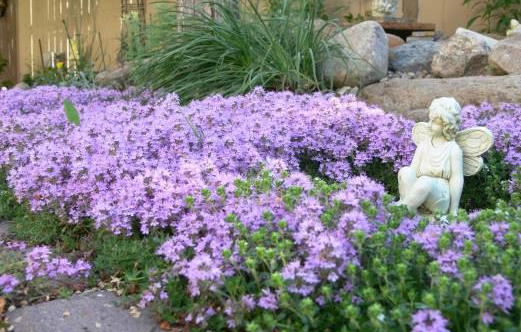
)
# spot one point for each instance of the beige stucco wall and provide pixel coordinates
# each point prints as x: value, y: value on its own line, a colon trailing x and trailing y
x: 448, y: 15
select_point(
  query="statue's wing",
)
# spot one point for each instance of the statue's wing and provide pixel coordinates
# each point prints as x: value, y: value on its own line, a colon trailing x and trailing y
x: 473, y: 143
x: 421, y: 132
x: 472, y: 165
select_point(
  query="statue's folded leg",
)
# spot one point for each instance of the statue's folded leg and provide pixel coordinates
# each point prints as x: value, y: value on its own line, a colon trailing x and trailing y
x: 418, y: 193
x: 406, y: 179
x: 439, y: 198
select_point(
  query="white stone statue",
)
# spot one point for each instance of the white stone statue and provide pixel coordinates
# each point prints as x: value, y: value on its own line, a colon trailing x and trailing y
x: 514, y: 25
x: 383, y: 8
x: 434, y: 180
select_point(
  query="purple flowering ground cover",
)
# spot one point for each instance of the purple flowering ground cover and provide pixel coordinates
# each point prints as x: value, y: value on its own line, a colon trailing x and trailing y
x: 255, y: 244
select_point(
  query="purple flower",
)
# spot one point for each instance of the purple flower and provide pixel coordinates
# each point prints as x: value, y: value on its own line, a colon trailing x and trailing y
x: 40, y: 264
x: 8, y: 282
x: 461, y: 232
x: 428, y: 320
x: 429, y: 237
x: 448, y: 262
x: 487, y: 318
x: 268, y: 300
x: 248, y: 302
x: 501, y: 294
x: 499, y: 230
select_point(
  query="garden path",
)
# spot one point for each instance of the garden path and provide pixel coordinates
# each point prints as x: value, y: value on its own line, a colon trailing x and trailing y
x: 87, y: 312
x: 90, y: 311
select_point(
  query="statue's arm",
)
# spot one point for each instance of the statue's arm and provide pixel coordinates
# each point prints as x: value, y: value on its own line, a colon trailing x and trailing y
x: 456, y: 179
x: 416, y: 159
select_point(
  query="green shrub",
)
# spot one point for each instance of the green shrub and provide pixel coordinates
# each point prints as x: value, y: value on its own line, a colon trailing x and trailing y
x: 229, y: 52
x: 498, y: 12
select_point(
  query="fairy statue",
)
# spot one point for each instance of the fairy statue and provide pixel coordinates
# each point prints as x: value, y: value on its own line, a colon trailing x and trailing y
x: 444, y: 155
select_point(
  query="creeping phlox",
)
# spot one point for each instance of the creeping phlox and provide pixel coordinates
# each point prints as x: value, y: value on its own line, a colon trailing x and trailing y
x: 39, y: 262
x: 258, y: 245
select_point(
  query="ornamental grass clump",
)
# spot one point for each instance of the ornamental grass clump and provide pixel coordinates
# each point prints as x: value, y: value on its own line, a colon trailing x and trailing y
x: 230, y: 48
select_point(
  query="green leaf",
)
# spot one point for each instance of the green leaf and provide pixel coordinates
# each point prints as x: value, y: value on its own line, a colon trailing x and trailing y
x: 471, y: 21
x: 72, y: 113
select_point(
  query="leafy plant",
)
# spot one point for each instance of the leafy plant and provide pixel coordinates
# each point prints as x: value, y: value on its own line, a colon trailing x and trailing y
x: 72, y: 113
x: 494, y: 14
x: 196, y: 55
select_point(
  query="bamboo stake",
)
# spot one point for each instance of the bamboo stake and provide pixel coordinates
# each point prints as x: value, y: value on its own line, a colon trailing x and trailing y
x: 41, y: 53
x: 102, y: 52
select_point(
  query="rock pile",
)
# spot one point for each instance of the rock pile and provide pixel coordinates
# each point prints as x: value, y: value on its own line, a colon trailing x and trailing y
x: 404, y: 76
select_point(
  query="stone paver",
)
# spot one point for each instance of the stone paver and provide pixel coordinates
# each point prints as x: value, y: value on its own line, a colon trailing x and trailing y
x: 87, y: 312
x: 4, y: 225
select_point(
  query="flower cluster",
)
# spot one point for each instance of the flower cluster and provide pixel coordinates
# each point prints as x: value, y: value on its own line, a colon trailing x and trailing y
x: 40, y: 264
x: 429, y: 321
x: 498, y: 292
x: 139, y: 157
x: 504, y: 122
x: 317, y: 247
x: 7, y: 283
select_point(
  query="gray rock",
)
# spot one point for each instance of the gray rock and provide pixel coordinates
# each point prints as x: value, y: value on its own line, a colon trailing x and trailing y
x: 439, y: 35
x: 516, y: 31
x: 506, y: 55
x: 394, y: 40
x: 4, y: 229
x: 416, y: 56
x: 343, y: 90
x: 407, y: 96
x: 95, y: 312
x: 22, y: 86
x: 117, y: 78
x: 464, y: 54
x: 365, y: 56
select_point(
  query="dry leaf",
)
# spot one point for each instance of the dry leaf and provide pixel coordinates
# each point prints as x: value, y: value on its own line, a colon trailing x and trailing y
x: 165, y: 326
x: 134, y: 312
x: 2, y: 305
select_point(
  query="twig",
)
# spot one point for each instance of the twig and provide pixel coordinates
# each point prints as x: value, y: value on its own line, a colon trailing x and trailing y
x: 41, y: 53
x: 70, y: 43
x: 102, y: 52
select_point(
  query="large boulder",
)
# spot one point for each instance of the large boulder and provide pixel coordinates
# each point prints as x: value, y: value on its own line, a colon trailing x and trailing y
x: 364, y: 59
x: 117, y: 78
x: 464, y: 54
x: 406, y: 96
x: 413, y: 57
x: 327, y: 29
x: 506, y: 55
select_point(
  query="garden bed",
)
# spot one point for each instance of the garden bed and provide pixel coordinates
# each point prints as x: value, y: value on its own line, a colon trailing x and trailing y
x: 269, y: 210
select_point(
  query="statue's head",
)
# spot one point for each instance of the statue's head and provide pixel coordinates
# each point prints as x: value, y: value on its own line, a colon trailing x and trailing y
x: 446, y: 111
